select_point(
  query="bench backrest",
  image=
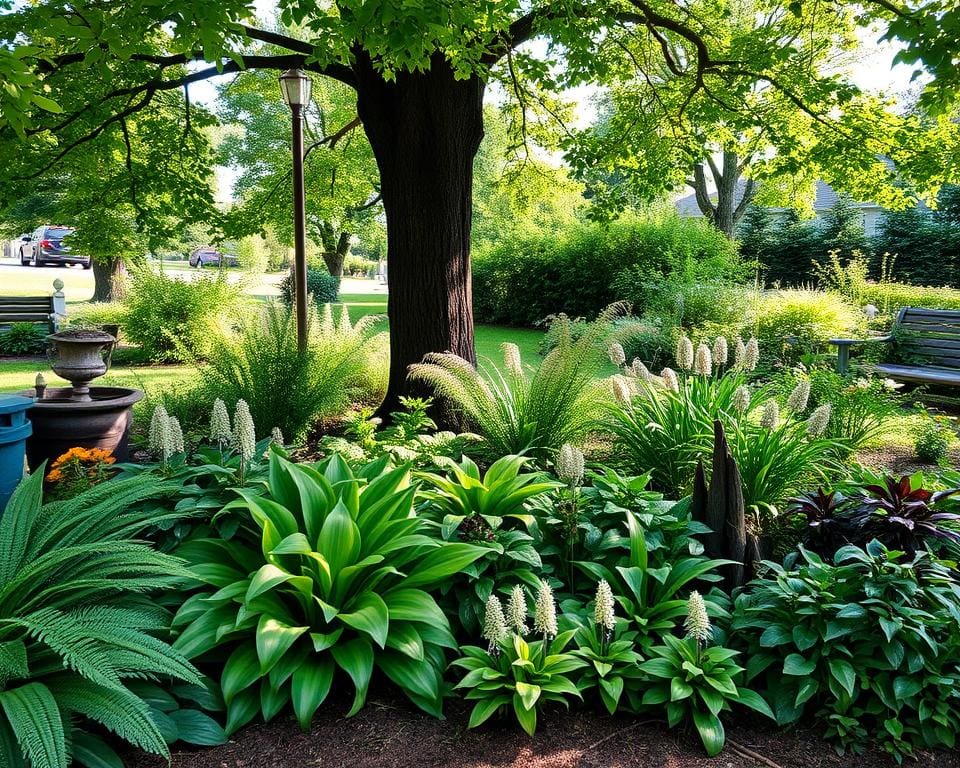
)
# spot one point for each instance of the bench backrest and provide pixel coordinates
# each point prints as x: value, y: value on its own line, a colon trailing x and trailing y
x: 26, y: 309
x: 929, y: 336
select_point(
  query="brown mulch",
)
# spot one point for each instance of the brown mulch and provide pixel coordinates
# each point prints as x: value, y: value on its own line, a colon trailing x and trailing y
x: 390, y: 734
x: 900, y: 460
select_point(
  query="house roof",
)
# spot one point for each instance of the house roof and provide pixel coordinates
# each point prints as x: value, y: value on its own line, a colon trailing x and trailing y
x: 826, y: 197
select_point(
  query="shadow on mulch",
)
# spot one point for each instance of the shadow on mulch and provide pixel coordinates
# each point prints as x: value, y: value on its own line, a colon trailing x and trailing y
x: 389, y: 734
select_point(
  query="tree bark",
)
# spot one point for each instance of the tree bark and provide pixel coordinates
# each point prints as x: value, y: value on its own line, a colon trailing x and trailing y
x: 425, y: 129
x: 726, y: 213
x: 108, y: 279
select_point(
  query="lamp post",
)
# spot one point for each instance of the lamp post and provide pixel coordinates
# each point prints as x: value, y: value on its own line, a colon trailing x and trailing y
x: 295, y: 86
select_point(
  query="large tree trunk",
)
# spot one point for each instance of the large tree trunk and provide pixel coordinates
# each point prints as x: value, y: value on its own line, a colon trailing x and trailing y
x: 108, y: 279
x: 425, y: 129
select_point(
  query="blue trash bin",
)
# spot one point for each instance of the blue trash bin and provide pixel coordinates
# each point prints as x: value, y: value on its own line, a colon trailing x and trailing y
x: 15, y: 428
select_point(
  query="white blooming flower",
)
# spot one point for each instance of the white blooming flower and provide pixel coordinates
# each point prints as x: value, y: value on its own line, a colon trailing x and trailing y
x: 494, y: 624
x: 797, y: 402
x: 603, y: 606
x: 871, y: 312
x: 703, y: 361
x: 684, y: 353
x: 176, y: 435
x: 545, y: 612
x: 617, y: 356
x: 621, y: 389
x: 697, y: 623
x: 159, y: 435
x: 276, y: 436
x: 641, y: 371
x: 862, y: 383
x: 670, y: 380
x: 771, y: 415
x: 891, y: 386
x: 721, y: 351
x: 819, y: 421
x: 220, y: 432
x: 511, y: 359
x: 751, y: 355
x: 569, y: 465
x: 741, y: 399
x: 517, y: 611
x: 739, y: 353
x: 244, y: 433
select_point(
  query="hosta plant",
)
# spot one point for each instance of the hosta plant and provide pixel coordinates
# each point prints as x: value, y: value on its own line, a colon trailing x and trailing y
x: 652, y: 597
x: 337, y: 584
x: 693, y: 679
x: 515, y: 675
x: 604, y: 642
x: 868, y: 644
x: 77, y: 628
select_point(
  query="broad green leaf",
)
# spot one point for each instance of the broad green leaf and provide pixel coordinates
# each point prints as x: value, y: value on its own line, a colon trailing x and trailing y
x: 339, y: 539
x: 273, y: 640
x: 240, y: 672
x: 369, y: 614
x: 355, y: 657
x: 711, y: 731
x: 309, y: 687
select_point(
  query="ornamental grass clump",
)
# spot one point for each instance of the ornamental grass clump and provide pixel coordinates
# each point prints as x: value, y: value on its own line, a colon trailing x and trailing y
x: 527, y: 410
x: 260, y: 362
x: 668, y: 430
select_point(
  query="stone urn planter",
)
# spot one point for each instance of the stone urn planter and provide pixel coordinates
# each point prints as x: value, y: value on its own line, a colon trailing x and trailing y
x: 80, y: 356
x: 79, y: 415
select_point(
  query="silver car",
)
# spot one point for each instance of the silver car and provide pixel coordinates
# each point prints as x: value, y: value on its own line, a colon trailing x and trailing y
x: 50, y: 245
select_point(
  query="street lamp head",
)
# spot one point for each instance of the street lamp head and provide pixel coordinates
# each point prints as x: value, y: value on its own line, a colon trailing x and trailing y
x: 295, y: 85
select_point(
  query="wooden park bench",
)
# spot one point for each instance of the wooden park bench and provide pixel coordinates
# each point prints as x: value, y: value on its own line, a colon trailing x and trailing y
x: 928, y: 339
x: 48, y: 310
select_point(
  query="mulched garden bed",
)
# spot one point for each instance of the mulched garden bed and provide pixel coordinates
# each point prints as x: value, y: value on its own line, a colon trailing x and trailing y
x: 389, y: 734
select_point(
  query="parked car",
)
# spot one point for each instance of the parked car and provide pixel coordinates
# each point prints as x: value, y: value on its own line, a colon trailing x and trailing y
x: 49, y: 244
x: 211, y: 257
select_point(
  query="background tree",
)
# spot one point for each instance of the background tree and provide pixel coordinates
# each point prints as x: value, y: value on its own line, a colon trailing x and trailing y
x: 420, y: 71
x: 340, y: 172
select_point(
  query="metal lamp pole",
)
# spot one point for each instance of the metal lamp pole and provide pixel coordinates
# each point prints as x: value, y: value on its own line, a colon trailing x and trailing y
x: 295, y: 86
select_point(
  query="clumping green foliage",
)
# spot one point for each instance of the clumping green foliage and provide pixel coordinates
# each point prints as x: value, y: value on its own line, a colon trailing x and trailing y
x: 523, y: 411
x: 260, y: 362
x: 329, y: 574
x: 866, y: 644
x: 933, y: 438
x: 23, y: 339
x: 792, y: 323
x: 321, y: 285
x: 174, y: 320
x: 76, y: 629
x: 523, y: 280
x: 518, y: 676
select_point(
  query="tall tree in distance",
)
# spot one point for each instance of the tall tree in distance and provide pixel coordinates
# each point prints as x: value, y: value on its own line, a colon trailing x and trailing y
x: 340, y: 173
x: 732, y: 199
x: 420, y: 71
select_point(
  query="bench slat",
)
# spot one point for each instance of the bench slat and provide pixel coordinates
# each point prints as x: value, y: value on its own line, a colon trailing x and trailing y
x: 947, y: 330
x: 922, y: 312
x: 14, y: 309
x: 935, y: 345
x: 32, y: 317
x: 48, y: 300
x: 922, y: 375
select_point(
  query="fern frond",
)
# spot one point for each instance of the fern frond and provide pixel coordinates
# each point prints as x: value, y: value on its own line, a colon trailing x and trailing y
x: 118, y: 710
x: 36, y: 722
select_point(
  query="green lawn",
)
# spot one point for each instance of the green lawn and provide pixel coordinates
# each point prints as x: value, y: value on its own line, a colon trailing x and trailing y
x: 20, y: 375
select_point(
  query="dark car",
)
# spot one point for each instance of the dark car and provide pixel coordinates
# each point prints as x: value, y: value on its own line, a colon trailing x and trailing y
x: 51, y: 245
x: 211, y: 257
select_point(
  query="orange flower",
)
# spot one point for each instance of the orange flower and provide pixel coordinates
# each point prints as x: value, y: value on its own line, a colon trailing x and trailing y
x: 54, y: 475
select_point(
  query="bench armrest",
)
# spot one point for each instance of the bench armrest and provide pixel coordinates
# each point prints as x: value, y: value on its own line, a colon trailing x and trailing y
x: 851, y: 342
x: 843, y: 349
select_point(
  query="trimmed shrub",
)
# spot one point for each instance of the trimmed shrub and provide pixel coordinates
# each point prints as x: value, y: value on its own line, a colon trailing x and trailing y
x: 23, y: 339
x: 323, y: 286
x: 575, y: 272
x: 171, y: 319
x: 796, y: 322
